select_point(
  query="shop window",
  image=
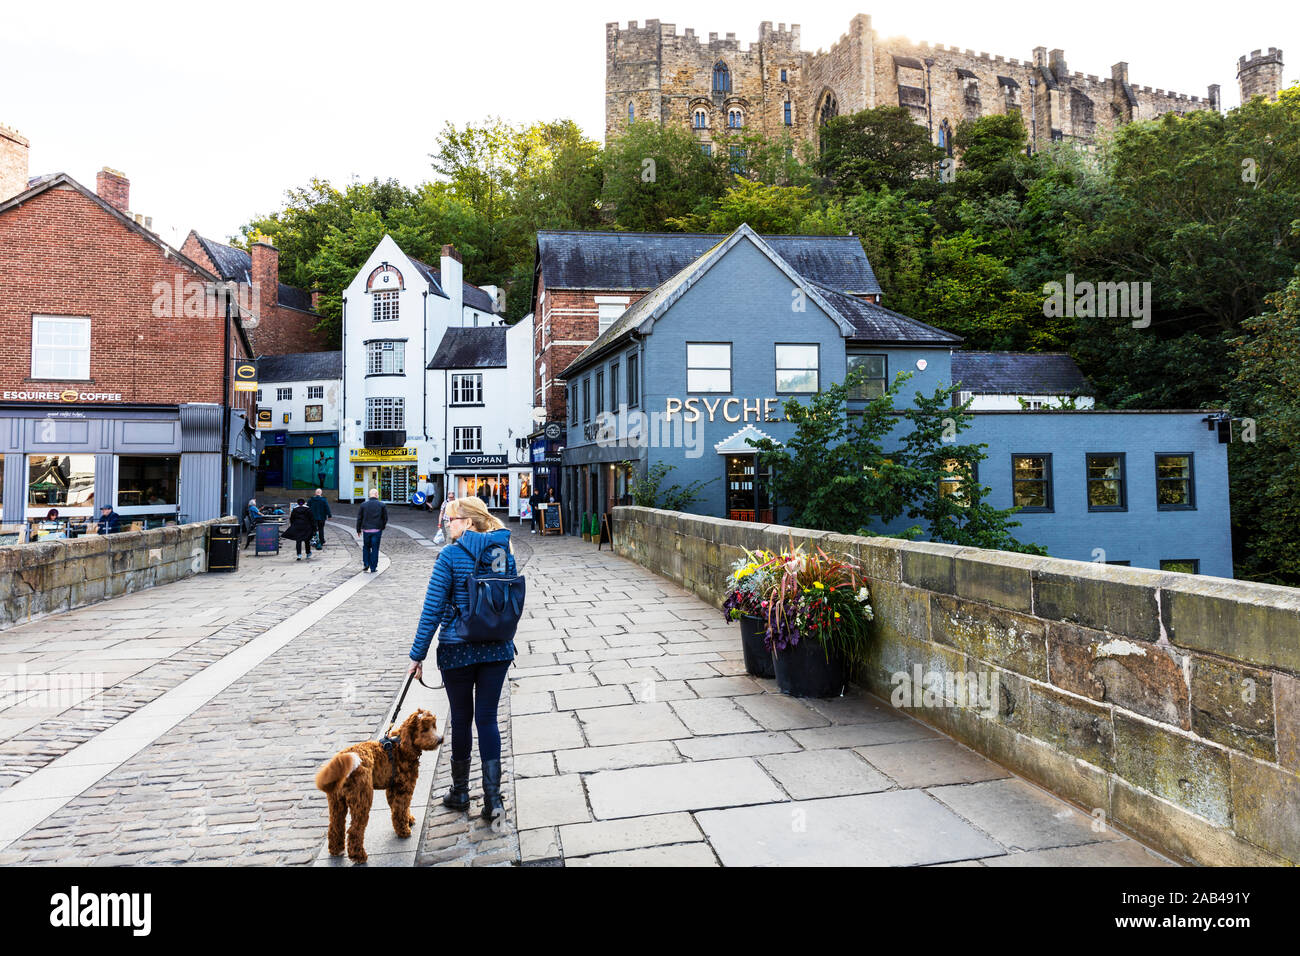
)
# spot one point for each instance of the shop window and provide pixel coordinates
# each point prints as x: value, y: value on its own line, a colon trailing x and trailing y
x: 797, y: 369
x: 385, y: 358
x: 147, y: 481
x: 1031, y: 482
x: 468, y: 438
x: 385, y: 306
x: 876, y: 379
x: 467, y: 389
x: 60, y: 347
x: 315, y: 392
x: 385, y: 414
x: 632, y: 392
x: 493, y: 490
x: 1174, y: 489
x: 1182, y: 565
x: 63, y: 481
x: 708, y: 367
x: 748, y: 496
x: 1106, y: 490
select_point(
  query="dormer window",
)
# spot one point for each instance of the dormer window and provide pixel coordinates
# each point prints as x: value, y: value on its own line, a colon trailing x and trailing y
x: 721, y: 78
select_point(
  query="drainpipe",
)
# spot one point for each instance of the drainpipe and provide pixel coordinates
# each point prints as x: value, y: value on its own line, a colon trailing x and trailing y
x: 1033, y: 115
x: 446, y: 449
x: 345, y: 421
x: 424, y: 409
x: 929, y: 105
x: 225, y: 413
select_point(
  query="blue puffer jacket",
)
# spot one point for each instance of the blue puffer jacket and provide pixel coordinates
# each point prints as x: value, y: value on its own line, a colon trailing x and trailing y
x: 452, y: 569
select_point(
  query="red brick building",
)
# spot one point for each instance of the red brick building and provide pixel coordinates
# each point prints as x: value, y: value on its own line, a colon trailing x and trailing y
x: 117, y: 355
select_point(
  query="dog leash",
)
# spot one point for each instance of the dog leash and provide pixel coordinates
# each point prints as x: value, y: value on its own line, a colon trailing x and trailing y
x: 392, y: 719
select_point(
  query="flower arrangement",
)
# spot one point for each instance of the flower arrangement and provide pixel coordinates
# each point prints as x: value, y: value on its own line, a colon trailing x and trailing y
x: 750, y: 578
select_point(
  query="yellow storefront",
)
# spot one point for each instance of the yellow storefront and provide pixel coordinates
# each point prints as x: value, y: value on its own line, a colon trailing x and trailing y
x: 391, y: 470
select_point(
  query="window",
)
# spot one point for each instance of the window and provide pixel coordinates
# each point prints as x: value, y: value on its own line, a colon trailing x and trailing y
x: 60, y: 347
x: 632, y: 392
x: 1174, y: 491
x: 586, y: 399
x: 385, y: 358
x: 735, y: 119
x: 631, y: 111
x: 796, y: 369
x: 783, y: 78
x: 608, y: 309
x: 385, y: 306
x: 747, y: 489
x: 385, y: 414
x: 573, y: 404
x: 147, y: 481
x: 789, y: 152
x: 467, y: 389
x: 61, y: 481
x: 706, y: 149
x: 1106, y: 490
x: 789, y: 114
x: 1182, y: 565
x: 737, y: 160
x: 1031, y: 482
x: 700, y: 119
x: 613, y: 387
x: 313, y: 413
x: 721, y: 78
x: 284, y: 394
x: 315, y: 391
x: 258, y: 400
x: 600, y: 392
x: 468, y: 438
x: 708, y: 367
x: 875, y: 381
x: 953, y: 482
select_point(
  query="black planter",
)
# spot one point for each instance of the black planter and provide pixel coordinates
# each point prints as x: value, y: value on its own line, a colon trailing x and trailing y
x: 758, y: 659
x: 804, y: 671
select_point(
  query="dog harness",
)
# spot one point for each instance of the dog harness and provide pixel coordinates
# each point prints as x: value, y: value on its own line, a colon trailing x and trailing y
x: 390, y: 747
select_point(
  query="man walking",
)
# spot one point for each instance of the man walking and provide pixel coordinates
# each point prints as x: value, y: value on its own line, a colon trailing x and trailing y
x: 442, y: 513
x: 372, y: 518
x: 534, y: 507
x: 320, y: 510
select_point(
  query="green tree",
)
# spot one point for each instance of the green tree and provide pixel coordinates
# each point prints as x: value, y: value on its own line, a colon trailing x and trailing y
x: 655, y: 174
x: 770, y: 210
x: 874, y: 148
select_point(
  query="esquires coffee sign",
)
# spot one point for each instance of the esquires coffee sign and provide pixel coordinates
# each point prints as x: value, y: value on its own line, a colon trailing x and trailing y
x: 69, y: 395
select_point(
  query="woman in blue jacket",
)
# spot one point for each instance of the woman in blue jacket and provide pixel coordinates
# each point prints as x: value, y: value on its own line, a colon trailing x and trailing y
x: 472, y: 673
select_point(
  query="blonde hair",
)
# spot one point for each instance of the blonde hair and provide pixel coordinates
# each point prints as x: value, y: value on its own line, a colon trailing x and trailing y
x: 480, y: 518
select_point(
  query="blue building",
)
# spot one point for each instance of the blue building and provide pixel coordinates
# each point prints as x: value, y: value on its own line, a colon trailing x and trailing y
x: 705, y: 360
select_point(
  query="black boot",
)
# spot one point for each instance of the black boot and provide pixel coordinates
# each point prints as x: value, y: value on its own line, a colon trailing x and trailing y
x: 458, y: 796
x: 492, y: 805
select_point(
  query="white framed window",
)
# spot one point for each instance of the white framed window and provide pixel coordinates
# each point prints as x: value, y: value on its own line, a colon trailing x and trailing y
x: 609, y: 308
x: 708, y: 366
x: 385, y: 305
x: 315, y: 391
x: 60, y: 347
x: 467, y: 389
x: 284, y: 394
x: 468, y: 438
x: 796, y: 369
x: 385, y: 358
x: 385, y: 414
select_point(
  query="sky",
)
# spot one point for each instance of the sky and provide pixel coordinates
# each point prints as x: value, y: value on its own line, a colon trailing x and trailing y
x: 213, y: 118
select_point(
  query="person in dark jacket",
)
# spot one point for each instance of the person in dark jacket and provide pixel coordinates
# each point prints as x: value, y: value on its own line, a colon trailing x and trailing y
x: 534, y: 507
x: 372, y: 519
x: 110, y: 522
x: 302, y: 528
x: 472, y: 673
x: 319, y: 507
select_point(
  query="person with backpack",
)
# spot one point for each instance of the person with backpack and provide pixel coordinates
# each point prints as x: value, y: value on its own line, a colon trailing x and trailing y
x: 475, y: 640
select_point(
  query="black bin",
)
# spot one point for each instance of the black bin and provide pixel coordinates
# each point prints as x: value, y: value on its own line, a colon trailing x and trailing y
x: 223, y: 547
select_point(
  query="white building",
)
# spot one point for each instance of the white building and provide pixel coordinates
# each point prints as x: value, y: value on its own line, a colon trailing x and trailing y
x: 397, y: 432
x: 1001, y: 381
x: 298, y: 402
x: 482, y: 376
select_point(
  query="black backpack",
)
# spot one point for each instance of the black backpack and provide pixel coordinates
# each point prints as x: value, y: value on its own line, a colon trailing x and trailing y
x: 496, y: 598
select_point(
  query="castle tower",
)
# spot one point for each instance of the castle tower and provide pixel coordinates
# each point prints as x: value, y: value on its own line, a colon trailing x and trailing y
x: 1261, y: 75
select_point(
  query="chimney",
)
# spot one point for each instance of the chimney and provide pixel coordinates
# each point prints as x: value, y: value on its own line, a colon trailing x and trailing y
x: 1056, y: 60
x: 315, y: 300
x: 114, y: 188
x: 266, y: 278
x: 13, y: 163
x: 452, y: 275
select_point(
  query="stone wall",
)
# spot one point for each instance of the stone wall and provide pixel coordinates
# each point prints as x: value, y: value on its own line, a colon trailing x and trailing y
x: 1166, y: 704
x: 52, y: 576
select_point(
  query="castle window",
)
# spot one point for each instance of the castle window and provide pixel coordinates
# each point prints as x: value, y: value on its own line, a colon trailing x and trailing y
x: 706, y: 149
x: 735, y: 119
x: 721, y: 78
x: 738, y: 160
x: 700, y: 119
x: 631, y: 111
x: 783, y: 79
x: 789, y: 114
x: 828, y: 109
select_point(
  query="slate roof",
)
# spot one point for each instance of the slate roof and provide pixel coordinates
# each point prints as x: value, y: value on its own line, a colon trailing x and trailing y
x: 874, y: 324
x: 235, y: 265
x: 481, y: 347
x: 471, y: 295
x: 633, y: 261
x: 299, y: 367
x: 1018, y: 373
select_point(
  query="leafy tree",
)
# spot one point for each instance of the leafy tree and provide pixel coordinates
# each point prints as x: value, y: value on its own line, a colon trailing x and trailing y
x: 654, y: 174
x: 772, y: 210
x: 874, y: 148
x: 991, y: 150
x: 646, y: 492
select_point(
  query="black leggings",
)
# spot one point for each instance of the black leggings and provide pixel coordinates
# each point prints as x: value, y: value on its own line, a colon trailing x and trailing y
x: 474, y: 693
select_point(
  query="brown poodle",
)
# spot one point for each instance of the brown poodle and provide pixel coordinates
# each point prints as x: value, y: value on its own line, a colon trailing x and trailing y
x: 351, y: 776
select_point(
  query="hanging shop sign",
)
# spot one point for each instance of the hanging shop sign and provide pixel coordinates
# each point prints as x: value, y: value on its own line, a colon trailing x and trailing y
x: 245, y: 376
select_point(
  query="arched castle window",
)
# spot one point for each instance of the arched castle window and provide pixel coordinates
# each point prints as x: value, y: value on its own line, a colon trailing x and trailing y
x: 828, y: 109
x: 721, y: 78
x: 700, y: 119
x: 735, y: 118
x: 631, y: 111
x: 945, y: 137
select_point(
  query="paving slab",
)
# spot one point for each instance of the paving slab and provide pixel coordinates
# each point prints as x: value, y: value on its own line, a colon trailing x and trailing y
x: 863, y: 735
x: 583, y: 697
x: 631, y: 723
x: 1022, y: 817
x: 700, y: 785
x: 777, y: 712
x: 930, y: 763
x: 735, y: 745
x: 686, y: 854
x: 724, y: 686
x: 616, y: 757
x: 714, y: 715
x: 1119, y: 853
x: 534, y: 733
x: 895, y: 828
x: 550, y: 801
x: 824, y: 773
x: 607, y: 836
